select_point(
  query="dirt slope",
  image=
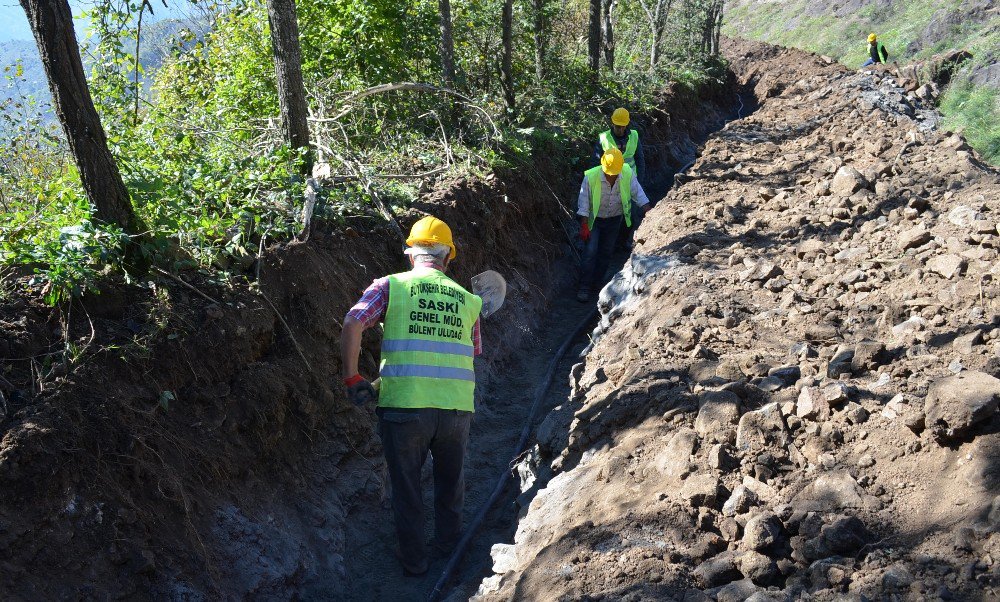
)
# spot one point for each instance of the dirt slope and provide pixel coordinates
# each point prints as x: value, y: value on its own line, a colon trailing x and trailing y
x: 792, y: 391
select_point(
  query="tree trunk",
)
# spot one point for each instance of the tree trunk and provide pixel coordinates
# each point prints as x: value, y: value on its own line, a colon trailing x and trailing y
x: 718, y: 28
x: 541, y: 42
x: 52, y: 24
x: 594, y: 41
x: 288, y: 65
x: 447, y: 45
x: 609, y: 34
x: 507, y: 66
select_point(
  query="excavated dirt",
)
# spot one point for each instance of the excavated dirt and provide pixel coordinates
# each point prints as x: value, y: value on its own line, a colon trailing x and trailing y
x: 792, y: 391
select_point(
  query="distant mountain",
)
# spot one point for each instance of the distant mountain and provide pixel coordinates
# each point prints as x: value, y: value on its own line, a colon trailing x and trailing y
x: 32, y: 81
x: 157, y: 41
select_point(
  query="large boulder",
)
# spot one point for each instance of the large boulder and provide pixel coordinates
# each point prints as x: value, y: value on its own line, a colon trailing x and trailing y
x: 956, y: 404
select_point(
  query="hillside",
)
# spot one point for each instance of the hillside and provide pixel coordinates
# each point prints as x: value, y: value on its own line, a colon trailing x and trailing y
x: 910, y: 30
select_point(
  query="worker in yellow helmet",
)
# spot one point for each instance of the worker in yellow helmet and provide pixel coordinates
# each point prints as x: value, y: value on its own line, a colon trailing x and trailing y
x: 876, y: 51
x: 610, y: 195
x: 626, y: 139
x: 425, y: 401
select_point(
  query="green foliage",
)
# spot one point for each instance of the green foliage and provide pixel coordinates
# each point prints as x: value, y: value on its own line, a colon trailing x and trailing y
x: 198, y: 142
x: 976, y: 109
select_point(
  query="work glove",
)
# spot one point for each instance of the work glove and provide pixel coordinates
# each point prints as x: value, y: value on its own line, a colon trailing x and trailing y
x: 359, y: 390
x: 584, y: 231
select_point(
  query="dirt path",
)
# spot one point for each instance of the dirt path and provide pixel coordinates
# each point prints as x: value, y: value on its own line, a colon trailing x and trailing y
x: 373, y: 572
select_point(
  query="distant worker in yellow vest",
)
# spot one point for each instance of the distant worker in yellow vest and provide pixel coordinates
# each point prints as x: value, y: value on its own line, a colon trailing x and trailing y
x: 610, y: 195
x: 625, y: 139
x: 876, y: 51
x: 425, y: 402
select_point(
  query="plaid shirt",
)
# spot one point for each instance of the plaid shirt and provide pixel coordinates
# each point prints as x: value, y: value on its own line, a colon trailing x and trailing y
x: 370, y: 310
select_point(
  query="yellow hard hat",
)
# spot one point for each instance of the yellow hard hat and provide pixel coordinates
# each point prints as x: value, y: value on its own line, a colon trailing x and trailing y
x: 871, y: 38
x: 620, y: 117
x: 612, y: 161
x: 431, y: 230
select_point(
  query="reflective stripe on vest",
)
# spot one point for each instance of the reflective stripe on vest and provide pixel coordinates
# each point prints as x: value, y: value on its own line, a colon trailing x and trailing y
x: 608, y: 141
x: 427, y: 350
x: 594, y: 178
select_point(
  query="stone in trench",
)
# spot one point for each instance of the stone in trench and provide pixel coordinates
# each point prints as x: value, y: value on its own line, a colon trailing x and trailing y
x: 730, y: 370
x: 853, y: 277
x: 788, y: 374
x: 948, y: 266
x: 765, y: 270
x: 675, y: 459
x: 847, y: 181
x: 740, y: 502
x: 757, y: 567
x: 769, y: 596
x: 910, y: 326
x: 762, y: 429
x: 841, y: 362
x: 830, y: 491
x: 504, y: 558
x: 716, y: 571
x: 896, y: 577
x: 761, y: 532
x: 913, y: 238
x: 868, y: 355
x: 808, y: 249
x: 851, y: 254
x: 702, y: 491
x: 965, y: 343
x: 835, y: 393
x: 737, y: 591
x: 896, y: 407
x: 963, y: 216
x: 956, y: 404
x: 718, y: 415
x: 811, y: 405
x: 720, y: 459
x: 845, y: 535
x: 856, y: 413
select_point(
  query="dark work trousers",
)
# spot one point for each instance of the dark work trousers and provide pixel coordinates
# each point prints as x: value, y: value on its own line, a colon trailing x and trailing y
x: 407, y: 436
x: 597, y: 253
x: 628, y: 233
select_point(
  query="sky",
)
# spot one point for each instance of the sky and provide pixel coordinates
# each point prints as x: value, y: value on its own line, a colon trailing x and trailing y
x: 14, y: 25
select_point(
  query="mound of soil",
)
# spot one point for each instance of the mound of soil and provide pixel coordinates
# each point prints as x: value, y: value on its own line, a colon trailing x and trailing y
x: 792, y: 393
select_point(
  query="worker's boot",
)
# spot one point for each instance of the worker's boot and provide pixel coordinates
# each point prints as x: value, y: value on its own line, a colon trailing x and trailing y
x: 412, y: 569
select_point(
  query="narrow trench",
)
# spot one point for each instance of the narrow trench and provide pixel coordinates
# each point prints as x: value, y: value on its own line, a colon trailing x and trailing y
x: 373, y: 572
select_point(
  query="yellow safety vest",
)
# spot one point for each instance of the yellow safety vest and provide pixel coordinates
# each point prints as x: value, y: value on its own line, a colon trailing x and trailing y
x: 608, y: 141
x: 427, y: 346
x: 594, y: 176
